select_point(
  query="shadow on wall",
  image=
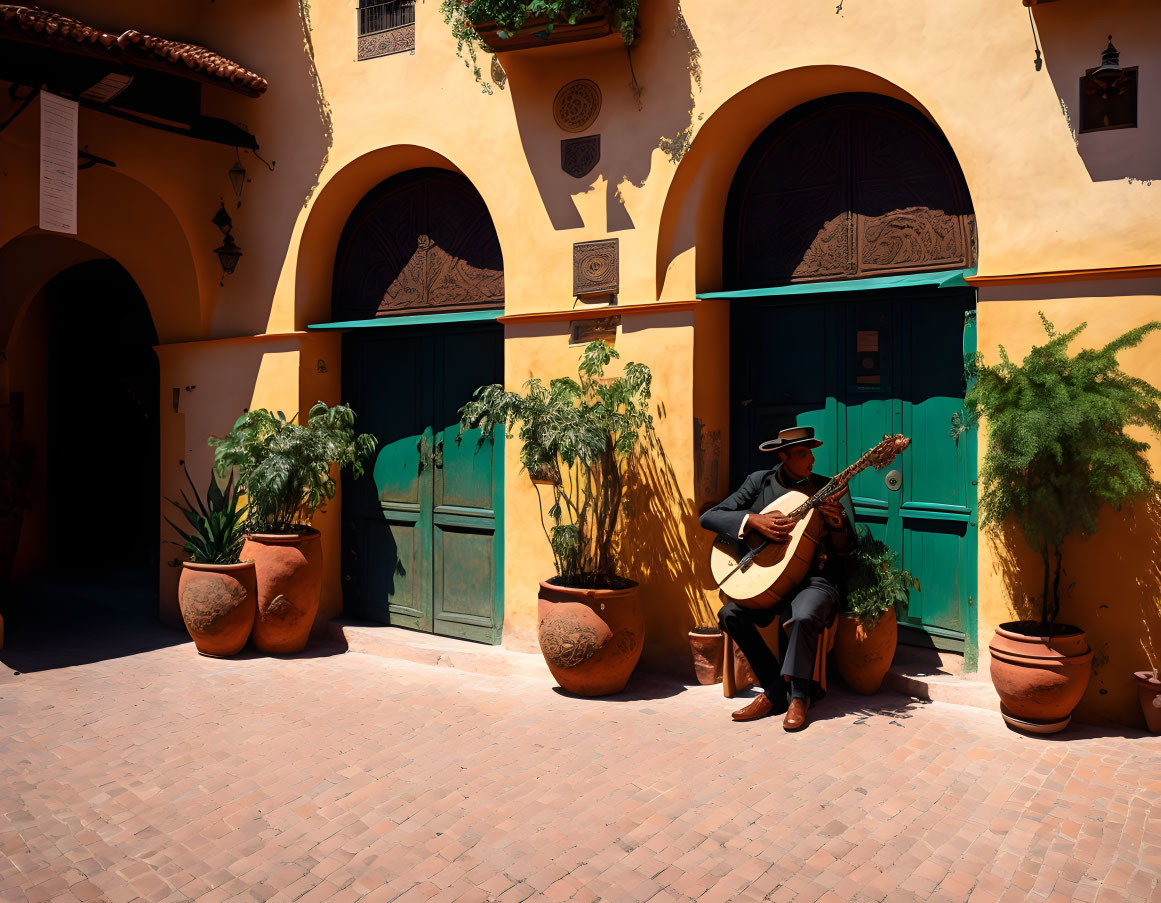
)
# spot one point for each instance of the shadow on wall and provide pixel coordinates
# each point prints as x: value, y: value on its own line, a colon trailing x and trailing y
x: 293, y: 126
x: 661, y: 549
x: 1110, y: 588
x: 647, y: 102
x: 1073, y: 36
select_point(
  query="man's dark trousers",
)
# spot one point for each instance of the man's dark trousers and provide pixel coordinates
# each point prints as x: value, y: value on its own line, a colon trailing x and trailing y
x: 809, y: 609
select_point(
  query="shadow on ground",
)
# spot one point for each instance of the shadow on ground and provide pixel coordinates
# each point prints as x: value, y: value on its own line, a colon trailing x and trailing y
x: 60, y: 622
x: 57, y: 622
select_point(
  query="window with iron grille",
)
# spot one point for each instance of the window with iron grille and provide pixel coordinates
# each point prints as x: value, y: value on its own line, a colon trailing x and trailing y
x: 385, y: 27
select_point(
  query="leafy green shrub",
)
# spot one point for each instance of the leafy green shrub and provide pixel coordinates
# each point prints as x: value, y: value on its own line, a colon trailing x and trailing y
x: 511, y: 15
x: 217, y: 530
x: 580, y: 434
x: 874, y: 582
x: 1057, y: 447
x: 285, y: 468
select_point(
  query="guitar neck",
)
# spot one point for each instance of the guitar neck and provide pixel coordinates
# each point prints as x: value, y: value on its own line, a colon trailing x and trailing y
x: 835, y: 483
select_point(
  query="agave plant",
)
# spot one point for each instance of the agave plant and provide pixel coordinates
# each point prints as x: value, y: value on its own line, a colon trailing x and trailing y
x: 216, y: 523
x: 285, y: 468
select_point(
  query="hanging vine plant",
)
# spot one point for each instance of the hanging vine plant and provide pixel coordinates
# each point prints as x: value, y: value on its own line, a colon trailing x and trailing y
x: 469, y: 19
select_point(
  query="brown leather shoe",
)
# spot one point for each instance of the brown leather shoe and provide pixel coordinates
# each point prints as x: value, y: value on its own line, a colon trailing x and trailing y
x: 759, y: 708
x: 795, y: 719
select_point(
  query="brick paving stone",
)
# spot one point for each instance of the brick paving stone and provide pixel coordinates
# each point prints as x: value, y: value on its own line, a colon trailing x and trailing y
x: 166, y: 776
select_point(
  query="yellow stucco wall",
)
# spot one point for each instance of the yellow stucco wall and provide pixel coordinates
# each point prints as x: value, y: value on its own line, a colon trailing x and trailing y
x: 1045, y: 200
x: 1111, y: 586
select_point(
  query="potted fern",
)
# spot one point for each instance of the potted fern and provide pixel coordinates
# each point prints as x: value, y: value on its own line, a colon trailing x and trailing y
x: 579, y: 437
x: 1058, y: 452
x: 867, y: 634
x: 287, y: 470
x: 217, y: 592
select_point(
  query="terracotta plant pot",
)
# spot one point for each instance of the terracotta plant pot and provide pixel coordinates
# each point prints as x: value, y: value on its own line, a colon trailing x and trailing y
x: 707, y: 645
x: 289, y: 581
x: 1039, y: 679
x: 1149, y: 693
x: 218, y: 603
x: 591, y: 638
x: 864, y: 657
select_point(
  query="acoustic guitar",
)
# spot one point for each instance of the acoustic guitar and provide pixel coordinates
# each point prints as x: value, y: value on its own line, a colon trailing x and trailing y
x: 758, y: 573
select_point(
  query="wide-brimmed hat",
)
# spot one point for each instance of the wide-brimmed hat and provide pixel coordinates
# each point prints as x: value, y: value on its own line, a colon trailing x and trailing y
x: 795, y: 436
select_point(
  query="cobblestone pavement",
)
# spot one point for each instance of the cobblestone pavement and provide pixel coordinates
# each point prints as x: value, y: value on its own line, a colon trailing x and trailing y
x: 168, y: 776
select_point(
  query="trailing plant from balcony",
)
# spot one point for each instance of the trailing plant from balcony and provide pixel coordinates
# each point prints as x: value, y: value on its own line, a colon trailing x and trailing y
x: 1058, y: 450
x: 285, y: 468
x: 215, y: 524
x: 579, y: 436
x: 874, y: 580
x: 511, y: 15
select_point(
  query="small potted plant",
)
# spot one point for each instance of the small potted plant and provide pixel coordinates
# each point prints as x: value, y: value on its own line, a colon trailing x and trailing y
x: 490, y: 26
x: 1058, y: 452
x: 217, y: 592
x: 285, y: 469
x: 867, y: 632
x: 1149, y: 682
x: 707, y: 645
x: 579, y: 437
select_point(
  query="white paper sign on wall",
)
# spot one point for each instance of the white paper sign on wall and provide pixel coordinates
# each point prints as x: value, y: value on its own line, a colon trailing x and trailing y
x: 58, y: 163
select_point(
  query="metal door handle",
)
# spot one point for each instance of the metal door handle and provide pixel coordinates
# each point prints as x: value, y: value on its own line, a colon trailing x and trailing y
x: 437, y: 454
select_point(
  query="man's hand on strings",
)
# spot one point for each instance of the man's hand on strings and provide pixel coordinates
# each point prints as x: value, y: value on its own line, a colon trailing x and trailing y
x: 832, y: 513
x: 775, y: 527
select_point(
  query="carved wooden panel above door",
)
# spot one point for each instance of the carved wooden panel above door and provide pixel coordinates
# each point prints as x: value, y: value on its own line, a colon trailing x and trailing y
x: 843, y: 188
x: 422, y: 240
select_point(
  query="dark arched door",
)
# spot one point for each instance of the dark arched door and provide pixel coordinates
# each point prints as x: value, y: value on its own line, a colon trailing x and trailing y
x: 422, y: 532
x: 848, y: 189
x: 420, y: 241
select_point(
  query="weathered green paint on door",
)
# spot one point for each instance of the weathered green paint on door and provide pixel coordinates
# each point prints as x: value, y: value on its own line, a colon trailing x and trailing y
x: 856, y: 369
x: 422, y: 539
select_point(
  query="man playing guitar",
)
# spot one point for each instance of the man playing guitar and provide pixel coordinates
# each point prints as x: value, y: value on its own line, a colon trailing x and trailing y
x: 812, y: 605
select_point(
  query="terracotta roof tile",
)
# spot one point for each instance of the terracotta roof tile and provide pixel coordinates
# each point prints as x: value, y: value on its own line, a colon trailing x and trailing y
x: 54, y: 28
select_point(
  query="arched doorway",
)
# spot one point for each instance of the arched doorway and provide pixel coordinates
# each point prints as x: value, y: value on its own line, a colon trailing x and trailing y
x: 419, y: 281
x: 841, y: 194
x: 85, y: 379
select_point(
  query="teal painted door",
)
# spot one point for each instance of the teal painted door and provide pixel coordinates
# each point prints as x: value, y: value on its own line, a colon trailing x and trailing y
x: 422, y: 539
x: 856, y: 369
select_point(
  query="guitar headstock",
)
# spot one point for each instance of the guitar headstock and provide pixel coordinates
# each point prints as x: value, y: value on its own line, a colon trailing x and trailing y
x: 887, y: 450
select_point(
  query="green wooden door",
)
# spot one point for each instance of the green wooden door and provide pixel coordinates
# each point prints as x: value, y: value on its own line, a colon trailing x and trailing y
x: 856, y: 369
x: 422, y: 540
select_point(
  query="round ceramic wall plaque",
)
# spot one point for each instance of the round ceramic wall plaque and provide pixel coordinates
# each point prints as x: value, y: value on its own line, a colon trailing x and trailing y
x: 576, y: 105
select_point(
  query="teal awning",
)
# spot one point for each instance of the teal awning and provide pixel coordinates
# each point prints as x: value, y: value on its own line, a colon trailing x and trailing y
x: 941, y: 279
x: 463, y: 316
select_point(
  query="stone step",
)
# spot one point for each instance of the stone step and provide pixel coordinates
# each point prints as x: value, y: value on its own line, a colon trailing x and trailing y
x: 429, y: 649
x: 939, y: 676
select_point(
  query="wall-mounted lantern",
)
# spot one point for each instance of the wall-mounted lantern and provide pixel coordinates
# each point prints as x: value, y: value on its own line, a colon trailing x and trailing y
x: 237, y: 176
x: 1108, y: 94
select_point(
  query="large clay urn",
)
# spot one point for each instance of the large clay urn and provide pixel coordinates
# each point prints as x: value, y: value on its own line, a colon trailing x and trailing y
x: 591, y: 638
x: 290, y: 567
x: 218, y: 603
x: 1149, y: 693
x: 1040, y: 679
x: 864, y: 656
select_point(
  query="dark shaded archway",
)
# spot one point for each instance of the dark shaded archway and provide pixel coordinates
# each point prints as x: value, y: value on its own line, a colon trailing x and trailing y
x: 103, y: 440
x: 846, y: 187
x: 422, y: 239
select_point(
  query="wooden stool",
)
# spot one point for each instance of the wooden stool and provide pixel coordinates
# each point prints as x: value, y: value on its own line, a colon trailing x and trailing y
x: 770, y: 635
